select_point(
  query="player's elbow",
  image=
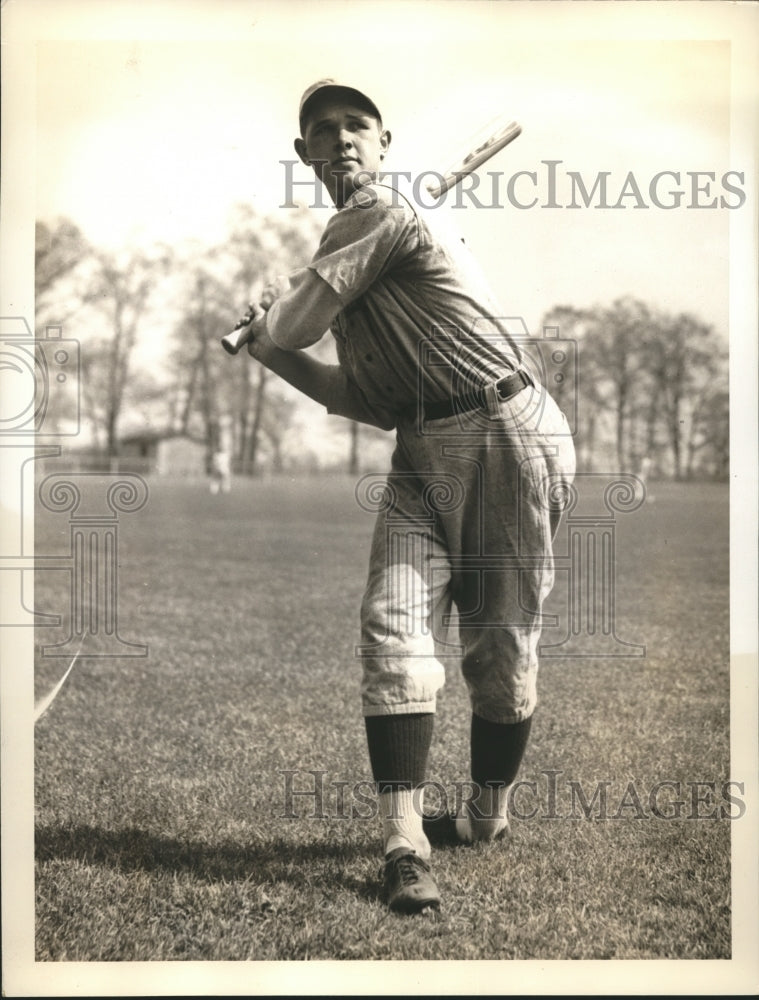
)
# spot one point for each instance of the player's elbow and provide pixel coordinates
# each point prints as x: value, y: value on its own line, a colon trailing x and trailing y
x: 289, y: 331
x: 293, y: 339
x: 382, y: 419
x: 384, y: 422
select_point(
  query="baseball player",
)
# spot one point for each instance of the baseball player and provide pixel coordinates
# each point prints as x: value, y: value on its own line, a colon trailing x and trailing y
x: 479, y: 448
x: 221, y: 472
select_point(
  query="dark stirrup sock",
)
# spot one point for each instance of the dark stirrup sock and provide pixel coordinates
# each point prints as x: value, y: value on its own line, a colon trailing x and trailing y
x: 398, y: 748
x: 497, y: 750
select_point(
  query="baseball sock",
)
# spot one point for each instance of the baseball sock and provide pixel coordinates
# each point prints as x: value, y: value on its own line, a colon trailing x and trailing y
x: 398, y: 749
x: 497, y: 751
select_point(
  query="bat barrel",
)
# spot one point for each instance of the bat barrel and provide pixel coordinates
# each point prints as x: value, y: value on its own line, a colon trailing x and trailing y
x: 476, y: 157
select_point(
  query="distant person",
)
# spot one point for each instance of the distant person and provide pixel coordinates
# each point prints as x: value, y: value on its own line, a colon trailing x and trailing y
x: 221, y: 472
x: 421, y: 350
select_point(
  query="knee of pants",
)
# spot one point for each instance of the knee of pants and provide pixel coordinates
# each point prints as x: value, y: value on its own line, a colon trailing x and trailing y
x: 500, y: 669
x: 404, y: 614
x: 402, y: 670
x: 396, y: 684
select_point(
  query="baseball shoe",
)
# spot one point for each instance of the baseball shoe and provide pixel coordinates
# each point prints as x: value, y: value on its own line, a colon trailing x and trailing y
x: 441, y: 831
x: 408, y: 884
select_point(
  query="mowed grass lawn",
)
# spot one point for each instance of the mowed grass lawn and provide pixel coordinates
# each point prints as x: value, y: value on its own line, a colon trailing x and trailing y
x: 163, y: 824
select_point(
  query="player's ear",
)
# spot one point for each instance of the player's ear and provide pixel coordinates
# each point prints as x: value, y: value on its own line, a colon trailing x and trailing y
x: 300, y: 149
x: 385, y: 138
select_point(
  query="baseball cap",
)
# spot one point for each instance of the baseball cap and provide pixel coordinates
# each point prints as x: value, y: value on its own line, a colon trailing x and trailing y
x: 321, y: 86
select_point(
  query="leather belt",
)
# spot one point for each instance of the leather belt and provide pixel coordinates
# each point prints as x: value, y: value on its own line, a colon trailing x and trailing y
x: 476, y: 399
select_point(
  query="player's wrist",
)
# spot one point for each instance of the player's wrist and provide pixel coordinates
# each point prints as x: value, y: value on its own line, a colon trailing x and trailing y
x: 260, y: 345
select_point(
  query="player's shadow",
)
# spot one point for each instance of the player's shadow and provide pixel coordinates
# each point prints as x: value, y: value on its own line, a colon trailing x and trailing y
x: 266, y: 862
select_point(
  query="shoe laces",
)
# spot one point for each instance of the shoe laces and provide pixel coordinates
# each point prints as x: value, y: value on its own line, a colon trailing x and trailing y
x: 408, y: 866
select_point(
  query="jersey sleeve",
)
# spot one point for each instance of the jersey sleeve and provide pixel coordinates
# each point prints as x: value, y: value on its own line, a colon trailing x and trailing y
x: 302, y: 315
x: 374, y: 231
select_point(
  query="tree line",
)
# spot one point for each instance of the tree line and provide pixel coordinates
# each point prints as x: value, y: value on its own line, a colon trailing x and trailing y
x: 652, y: 390
x: 651, y: 387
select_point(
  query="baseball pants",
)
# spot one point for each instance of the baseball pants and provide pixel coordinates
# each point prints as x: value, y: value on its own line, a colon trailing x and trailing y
x: 470, y: 509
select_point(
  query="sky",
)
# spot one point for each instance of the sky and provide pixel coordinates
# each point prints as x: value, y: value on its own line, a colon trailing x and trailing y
x: 143, y: 138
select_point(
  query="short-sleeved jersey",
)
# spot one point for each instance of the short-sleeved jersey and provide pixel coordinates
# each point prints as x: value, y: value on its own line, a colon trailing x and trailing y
x: 418, y: 317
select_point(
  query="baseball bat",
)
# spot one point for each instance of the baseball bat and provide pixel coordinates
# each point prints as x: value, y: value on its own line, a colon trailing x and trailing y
x: 490, y: 141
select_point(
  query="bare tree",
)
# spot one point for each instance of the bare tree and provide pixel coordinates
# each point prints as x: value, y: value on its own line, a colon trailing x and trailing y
x: 210, y: 389
x: 108, y: 294
x: 118, y: 289
x: 583, y: 383
x: 196, y: 360
x: 658, y: 378
x: 58, y: 249
x: 260, y: 248
x: 708, y: 449
x: 683, y: 356
x: 615, y: 341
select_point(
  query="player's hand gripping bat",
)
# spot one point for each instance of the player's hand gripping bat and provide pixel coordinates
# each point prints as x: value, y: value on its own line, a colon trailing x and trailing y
x: 496, y: 136
x: 238, y: 338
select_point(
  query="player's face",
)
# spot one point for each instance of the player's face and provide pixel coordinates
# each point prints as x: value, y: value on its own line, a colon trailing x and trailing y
x: 345, y: 145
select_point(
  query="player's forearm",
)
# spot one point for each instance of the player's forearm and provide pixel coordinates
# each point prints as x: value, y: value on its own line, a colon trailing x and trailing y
x: 326, y: 384
x: 309, y: 376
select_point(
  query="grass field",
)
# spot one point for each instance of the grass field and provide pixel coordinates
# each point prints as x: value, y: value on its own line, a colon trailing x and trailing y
x: 162, y: 826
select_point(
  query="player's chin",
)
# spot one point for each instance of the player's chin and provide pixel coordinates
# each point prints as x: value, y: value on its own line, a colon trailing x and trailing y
x: 347, y: 182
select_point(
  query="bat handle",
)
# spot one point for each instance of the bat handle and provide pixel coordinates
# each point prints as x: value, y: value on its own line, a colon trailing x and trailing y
x: 234, y: 341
